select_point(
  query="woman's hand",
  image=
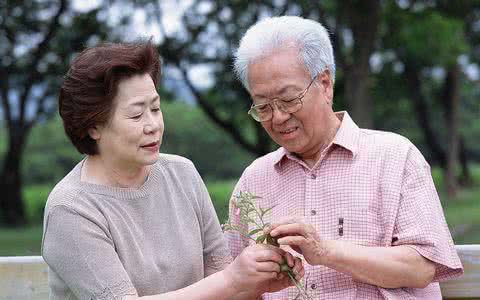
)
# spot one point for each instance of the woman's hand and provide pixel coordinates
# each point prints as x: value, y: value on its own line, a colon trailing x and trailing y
x: 258, y: 268
x: 282, y: 280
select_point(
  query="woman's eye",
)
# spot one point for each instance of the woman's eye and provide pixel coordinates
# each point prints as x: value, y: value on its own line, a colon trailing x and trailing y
x: 137, y: 117
x: 156, y: 109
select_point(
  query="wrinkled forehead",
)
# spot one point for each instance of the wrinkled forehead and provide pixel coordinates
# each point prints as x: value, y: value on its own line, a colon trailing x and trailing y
x: 277, y: 71
x: 134, y: 89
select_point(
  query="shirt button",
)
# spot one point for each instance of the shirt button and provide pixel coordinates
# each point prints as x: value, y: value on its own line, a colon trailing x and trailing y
x: 313, y: 176
x: 313, y: 212
x: 313, y: 286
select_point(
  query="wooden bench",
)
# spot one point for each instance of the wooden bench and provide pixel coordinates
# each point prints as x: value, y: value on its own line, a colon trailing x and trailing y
x: 25, y: 277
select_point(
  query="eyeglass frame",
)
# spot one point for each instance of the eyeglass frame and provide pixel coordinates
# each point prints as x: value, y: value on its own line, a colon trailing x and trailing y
x: 269, y: 103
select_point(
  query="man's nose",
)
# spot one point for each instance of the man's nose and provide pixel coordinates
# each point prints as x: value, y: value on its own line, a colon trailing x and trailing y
x: 279, y: 116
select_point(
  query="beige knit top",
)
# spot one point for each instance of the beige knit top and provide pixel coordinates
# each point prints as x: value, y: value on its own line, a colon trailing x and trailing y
x: 104, y: 242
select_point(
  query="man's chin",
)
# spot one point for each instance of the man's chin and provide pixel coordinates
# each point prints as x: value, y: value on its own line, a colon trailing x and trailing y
x: 294, y: 149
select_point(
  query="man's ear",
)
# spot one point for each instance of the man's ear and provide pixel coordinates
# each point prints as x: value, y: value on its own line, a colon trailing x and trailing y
x: 95, y: 132
x: 326, y: 84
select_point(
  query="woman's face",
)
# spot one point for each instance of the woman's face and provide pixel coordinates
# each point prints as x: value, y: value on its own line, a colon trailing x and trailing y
x: 133, y: 135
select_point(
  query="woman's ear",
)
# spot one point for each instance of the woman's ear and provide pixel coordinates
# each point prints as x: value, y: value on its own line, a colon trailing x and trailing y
x: 95, y: 132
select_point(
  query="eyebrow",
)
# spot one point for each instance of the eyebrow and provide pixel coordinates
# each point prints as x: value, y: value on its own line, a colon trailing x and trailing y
x: 280, y: 92
x: 142, y: 103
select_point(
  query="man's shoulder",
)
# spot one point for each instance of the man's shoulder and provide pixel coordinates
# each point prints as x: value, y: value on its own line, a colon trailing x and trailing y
x: 391, y: 147
x: 264, y: 164
x: 268, y: 159
x: 385, y: 140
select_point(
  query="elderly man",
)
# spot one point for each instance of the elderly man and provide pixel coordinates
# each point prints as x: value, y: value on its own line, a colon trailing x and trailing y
x: 371, y: 225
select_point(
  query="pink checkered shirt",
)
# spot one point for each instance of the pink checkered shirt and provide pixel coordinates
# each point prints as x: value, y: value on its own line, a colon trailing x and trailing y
x: 378, y: 185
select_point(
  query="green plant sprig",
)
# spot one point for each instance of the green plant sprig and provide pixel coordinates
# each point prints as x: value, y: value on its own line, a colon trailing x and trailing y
x: 253, y: 216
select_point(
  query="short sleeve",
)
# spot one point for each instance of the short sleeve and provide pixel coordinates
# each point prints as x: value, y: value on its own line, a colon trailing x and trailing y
x: 79, y: 250
x: 420, y: 221
x: 215, y: 250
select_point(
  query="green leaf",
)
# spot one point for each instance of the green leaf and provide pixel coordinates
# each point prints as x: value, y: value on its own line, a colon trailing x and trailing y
x: 261, y: 239
x: 251, y: 233
x: 264, y: 212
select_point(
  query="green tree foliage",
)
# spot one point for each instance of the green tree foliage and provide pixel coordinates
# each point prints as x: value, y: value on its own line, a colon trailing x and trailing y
x: 188, y: 132
x: 37, y: 40
x: 415, y: 39
x: 49, y: 155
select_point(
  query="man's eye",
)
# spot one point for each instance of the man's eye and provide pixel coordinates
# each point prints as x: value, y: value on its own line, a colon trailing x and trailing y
x: 137, y: 117
x: 289, y: 100
x: 262, y: 108
x: 156, y: 109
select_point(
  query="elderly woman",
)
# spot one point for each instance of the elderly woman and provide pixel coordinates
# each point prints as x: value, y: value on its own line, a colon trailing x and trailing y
x: 128, y: 222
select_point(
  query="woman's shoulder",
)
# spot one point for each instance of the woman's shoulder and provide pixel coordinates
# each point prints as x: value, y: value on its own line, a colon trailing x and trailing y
x: 175, y: 163
x: 66, y: 190
x: 173, y: 159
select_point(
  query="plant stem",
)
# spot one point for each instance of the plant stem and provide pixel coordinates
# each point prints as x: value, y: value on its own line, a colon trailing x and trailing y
x: 299, y: 286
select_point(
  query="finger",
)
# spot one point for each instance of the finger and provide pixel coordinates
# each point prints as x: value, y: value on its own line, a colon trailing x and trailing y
x: 298, y: 268
x: 300, y: 275
x: 289, y: 229
x: 289, y: 258
x: 298, y: 241
x: 280, y: 276
x: 268, y: 255
x: 296, y: 249
x: 268, y: 267
x: 266, y: 276
x: 278, y: 250
x: 271, y: 227
x: 298, y: 265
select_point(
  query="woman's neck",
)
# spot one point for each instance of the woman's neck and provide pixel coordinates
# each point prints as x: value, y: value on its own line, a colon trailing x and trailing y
x: 99, y: 170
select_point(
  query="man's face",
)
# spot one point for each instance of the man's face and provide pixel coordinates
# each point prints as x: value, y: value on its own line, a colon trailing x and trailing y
x: 281, y: 75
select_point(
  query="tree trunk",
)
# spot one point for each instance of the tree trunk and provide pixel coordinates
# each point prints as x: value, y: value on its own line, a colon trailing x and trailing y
x: 452, y: 103
x: 465, y: 178
x: 413, y: 81
x: 364, y: 19
x: 11, y: 202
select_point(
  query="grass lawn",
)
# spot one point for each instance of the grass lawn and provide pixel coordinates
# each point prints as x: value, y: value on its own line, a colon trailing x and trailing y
x: 20, y: 242
x: 461, y: 214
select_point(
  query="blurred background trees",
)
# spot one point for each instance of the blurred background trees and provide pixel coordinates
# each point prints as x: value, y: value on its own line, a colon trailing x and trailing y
x: 37, y: 39
x: 411, y: 67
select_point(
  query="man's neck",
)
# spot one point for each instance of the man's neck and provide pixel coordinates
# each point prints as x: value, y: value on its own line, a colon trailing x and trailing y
x: 312, y: 159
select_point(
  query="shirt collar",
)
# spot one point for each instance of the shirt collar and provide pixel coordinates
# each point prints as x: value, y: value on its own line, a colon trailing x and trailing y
x: 348, y: 133
x: 346, y: 137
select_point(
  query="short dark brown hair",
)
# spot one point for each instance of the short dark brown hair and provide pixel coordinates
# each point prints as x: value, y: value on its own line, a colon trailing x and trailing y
x: 90, y: 85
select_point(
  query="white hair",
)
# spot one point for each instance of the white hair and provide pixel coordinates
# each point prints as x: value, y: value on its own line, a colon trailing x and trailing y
x: 268, y: 35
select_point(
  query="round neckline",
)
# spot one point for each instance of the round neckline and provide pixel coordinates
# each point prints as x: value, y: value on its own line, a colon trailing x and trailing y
x: 116, y: 192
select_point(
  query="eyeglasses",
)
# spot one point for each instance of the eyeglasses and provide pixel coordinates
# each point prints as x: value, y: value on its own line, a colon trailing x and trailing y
x: 264, y: 112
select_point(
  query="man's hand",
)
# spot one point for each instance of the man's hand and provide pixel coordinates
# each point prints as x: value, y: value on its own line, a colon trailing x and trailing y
x: 302, y: 238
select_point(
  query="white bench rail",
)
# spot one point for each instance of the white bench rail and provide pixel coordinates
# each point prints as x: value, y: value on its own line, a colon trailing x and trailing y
x: 26, y: 277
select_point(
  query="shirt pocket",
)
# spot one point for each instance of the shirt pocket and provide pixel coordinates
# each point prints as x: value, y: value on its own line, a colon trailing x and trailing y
x: 360, y: 219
